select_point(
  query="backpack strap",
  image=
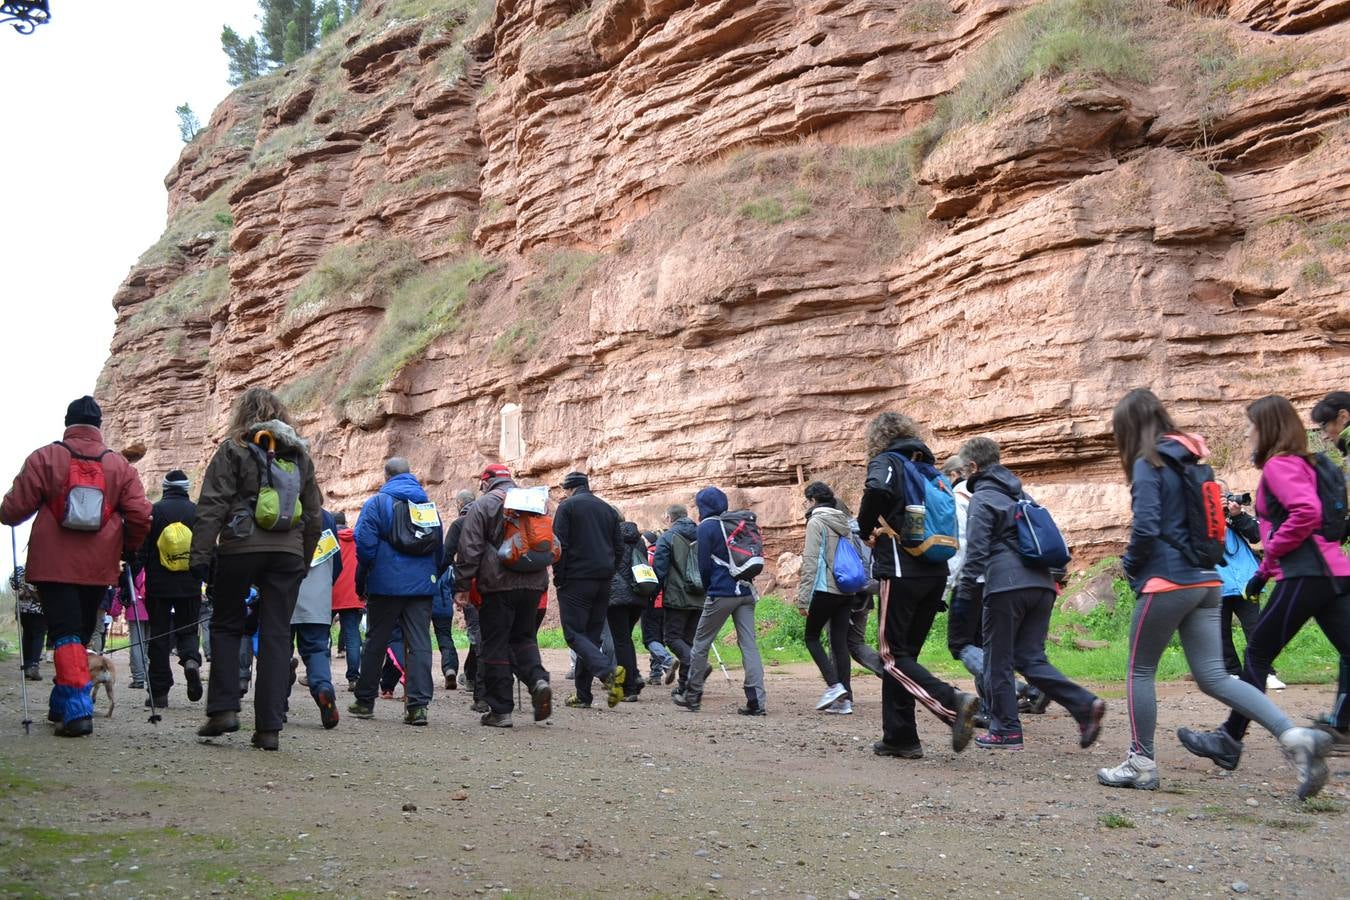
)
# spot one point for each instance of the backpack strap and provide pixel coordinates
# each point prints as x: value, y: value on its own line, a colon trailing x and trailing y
x: 82, y: 456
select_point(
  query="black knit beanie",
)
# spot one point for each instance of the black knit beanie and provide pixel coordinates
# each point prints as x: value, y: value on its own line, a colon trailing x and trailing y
x: 84, y: 411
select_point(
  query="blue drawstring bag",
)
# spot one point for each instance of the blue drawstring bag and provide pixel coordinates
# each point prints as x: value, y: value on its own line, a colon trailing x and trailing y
x: 848, y: 569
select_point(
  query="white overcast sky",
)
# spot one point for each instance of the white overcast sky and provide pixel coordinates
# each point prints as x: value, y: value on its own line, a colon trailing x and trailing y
x: 89, y: 133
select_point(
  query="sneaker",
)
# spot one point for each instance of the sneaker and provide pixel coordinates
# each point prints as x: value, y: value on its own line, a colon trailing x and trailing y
x: 614, y: 686
x: 1138, y: 772
x: 575, y: 702
x: 415, y: 715
x: 480, y: 706
x: 1274, y: 684
x: 451, y: 682
x: 672, y: 673
x: 840, y: 707
x: 751, y: 711
x: 464, y: 681
x: 81, y: 727
x: 32, y: 674
x: 1340, y: 738
x: 963, y: 729
x: 687, y: 701
x: 1305, y: 749
x: 135, y: 685
x: 629, y: 698
x: 328, y: 711
x: 992, y: 741
x: 1217, y: 745
x: 159, y: 702
x: 192, y: 672
x: 267, y: 740
x: 1090, y: 730
x: 832, y: 693
x: 496, y: 720
x: 362, y: 710
x: 542, y: 699
x: 218, y: 724
x: 881, y: 748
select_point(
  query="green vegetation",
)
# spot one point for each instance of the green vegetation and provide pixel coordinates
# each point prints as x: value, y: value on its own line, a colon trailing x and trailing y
x: 288, y: 29
x: 927, y: 15
x: 302, y: 393
x: 1115, y: 820
x: 422, y: 308
x: 347, y: 269
x: 559, y: 275
x: 197, y: 292
x: 1315, y: 272
x: 774, y: 210
x: 1250, y: 73
x: 188, y: 123
x: 200, y: 221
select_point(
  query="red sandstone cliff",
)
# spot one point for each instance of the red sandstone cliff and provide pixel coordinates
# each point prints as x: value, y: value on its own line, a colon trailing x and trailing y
x: 704, y: 242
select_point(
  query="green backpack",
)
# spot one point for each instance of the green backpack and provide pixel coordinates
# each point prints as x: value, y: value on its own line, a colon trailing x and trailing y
x: 278, y: 506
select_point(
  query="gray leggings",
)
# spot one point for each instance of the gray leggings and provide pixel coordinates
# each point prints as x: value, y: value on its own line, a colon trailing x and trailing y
x: 1194, y: 613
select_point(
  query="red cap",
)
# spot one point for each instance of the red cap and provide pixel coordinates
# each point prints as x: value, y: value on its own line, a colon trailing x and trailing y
x: 496, y: 470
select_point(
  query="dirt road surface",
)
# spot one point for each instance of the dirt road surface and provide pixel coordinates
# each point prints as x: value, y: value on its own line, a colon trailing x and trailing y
x: 646, y: 800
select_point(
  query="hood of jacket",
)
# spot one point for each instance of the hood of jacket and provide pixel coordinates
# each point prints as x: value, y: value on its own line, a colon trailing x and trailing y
x: 405, y: 487
x: 685, y: 527
x: 346, y: 535
x: 711, y: 502
x: 910, y: 447
x: 288, y: 442
x: 996, y: 478
x: 1183, y: 446
x: 630, y: 532
x: 504, y: 482
x: 834, y: 519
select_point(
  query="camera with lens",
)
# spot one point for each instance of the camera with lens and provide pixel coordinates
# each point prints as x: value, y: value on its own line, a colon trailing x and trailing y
x: 1239, y: 499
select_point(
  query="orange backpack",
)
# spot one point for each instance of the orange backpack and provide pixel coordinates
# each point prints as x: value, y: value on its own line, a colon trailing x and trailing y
x: 528, y: 543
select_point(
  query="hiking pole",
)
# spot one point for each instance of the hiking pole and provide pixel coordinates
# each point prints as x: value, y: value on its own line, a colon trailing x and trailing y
x: 149, y: 691
x: 717, y: 653
x: 15, y: 581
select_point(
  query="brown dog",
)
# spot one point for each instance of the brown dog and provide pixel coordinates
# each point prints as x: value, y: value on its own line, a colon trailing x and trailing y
x: 102, y: 672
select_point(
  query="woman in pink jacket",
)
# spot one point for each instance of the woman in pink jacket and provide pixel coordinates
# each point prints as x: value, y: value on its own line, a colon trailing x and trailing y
x: 136, y: 626
x: 1312, y: 575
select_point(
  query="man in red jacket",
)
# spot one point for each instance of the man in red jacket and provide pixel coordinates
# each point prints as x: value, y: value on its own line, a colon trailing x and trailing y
x: 91, y: 512
x: 346, y: 604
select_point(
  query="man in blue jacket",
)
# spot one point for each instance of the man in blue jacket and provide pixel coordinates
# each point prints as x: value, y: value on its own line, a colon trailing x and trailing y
x: 398, y: 583
x: 727, y: 597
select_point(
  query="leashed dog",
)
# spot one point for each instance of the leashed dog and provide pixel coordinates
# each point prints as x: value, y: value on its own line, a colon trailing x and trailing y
x: 102, y: 672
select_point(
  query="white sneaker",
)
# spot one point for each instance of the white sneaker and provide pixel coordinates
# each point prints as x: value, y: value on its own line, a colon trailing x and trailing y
x: 1274, y: 684
x: 840, y: 708
x: 833, y: 693
x: 1304, y: 748
x: 1138, y: 772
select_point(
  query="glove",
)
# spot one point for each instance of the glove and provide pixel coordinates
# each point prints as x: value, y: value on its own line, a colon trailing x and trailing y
x: 200, y: 572
x: 1254, y: 588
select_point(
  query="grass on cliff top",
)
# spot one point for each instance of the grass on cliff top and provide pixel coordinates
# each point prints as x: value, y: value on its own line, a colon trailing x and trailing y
x: 349, y: 269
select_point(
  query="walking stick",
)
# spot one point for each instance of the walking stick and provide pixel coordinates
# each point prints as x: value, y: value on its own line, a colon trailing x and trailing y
x: 717, y: 653
x: 155, y: 717
x: 15, y: 581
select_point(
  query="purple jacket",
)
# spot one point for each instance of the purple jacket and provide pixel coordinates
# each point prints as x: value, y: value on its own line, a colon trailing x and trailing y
x: 1294, y: 548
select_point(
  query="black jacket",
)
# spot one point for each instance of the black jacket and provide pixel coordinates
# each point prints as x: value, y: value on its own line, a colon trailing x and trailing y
x: 174, y: 506
x: 592, y: 543
x: 883, y: 491
x: 622, y: 591
x: 452, y: 533
x: 991, y: 541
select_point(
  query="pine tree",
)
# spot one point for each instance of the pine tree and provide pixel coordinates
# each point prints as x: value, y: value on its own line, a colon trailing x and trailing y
x: 188, y: 125
x: 246, y: 62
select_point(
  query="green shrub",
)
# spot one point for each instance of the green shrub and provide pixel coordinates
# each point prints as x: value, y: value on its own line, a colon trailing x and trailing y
x: 348, y: 268
x: 198, y: 220
x: 196, y: 292
x: 774, y: 210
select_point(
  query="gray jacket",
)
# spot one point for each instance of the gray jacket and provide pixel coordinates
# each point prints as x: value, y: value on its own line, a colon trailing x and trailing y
x: 315, y: 603
x: 825, y: 525
x: 991, y: 540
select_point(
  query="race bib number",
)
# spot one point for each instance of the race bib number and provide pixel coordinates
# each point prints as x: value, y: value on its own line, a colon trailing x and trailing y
x: 424, y: 515
x: 327, y: 546
x: 644, y: 574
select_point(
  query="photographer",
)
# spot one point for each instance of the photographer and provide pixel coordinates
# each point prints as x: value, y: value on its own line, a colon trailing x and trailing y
x: 1238, y: 566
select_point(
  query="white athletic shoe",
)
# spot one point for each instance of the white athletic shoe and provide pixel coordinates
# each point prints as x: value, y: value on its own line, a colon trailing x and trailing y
x: 840, y: 708
x: 1304, y: 748
x: 1138, y: 772
x: 833, y: 693
x: 1274, y: 684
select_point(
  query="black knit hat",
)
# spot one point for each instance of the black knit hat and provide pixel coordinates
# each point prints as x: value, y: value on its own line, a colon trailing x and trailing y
x: 84, y: 411
x: 575, y: 480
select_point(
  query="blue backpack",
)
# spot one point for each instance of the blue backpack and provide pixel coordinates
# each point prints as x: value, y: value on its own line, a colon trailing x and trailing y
x: 1039, y: 541
x: 847, y: 568
x: 935, y: 539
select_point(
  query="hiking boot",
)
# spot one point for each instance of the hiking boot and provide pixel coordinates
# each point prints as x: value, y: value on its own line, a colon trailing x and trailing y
x: 362, y: 710
x: 1305, y: 749
x: 672, y: 673
x: 576, y: 702
x: 541, y: 697
x: 295, y: 667
x: 267, y: 740
x: 963, y: 729
x: 1217, y: 745
x: 832, y: 693
x: 993, y: 741
x: 1037, y: 701
x: 415, y: 715
x: 160, y: 702
x: 841, y: 708
x: 218, y: 724
x: 688, y: 701
x: 635, y: 684
x: 243, y: 687
x: 881, y: 748
x: 136, y: 685
x: 1091, y: 729
x: 451, y: 682
x: 496, y: 720
x: 749, y: 710
x: 571, y: 674
x: 1340, y: 738
x: 32, y: 674
x: 982, y: 720
x: 192, y: 672
x: 54, y: 717
x: 328, y: 711
x: 1137, y: 771
x: 351, y: 687
x: 614, y: 686
x: 480, y: 706
x: 84, y: 726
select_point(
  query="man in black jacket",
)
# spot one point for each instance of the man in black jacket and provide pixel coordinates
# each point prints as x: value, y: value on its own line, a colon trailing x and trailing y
x: 173, y: 596
x: 589, y: 531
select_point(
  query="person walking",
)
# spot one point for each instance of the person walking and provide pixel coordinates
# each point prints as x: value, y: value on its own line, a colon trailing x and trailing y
x: 1235, y: 570
x: 173, y: 596
x: 588, y: 530
x: 258, y: 519
x: 399, y: 542
x: 136, y: 617
x: 728, y: 596
x: 32, y: 624
x: 1331, y: 415
x: 821, y: 600
x: 469, y: 675
x: 1017, y: 599
x: 661, y: 660
x: 91, y: 513
x: 347, y: 604
x: 911, y: 593
x: 510, y: 604
x: 312, y: 621
x: 675, y: 563
x: 625, y: 609
x: 442, y: 624
x: 1311, y: 577
x: 1179, y: 593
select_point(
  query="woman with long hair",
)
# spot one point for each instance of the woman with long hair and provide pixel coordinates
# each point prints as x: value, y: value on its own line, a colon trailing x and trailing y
x: 1179, y: 595
x: 821, y: 600
x: 258, y: 517
x: 1312, y: 575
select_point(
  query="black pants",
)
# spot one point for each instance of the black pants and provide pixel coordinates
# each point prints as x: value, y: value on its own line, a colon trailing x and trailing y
x: 1293, y: 602
x: 34, y: 631
x: 277, y: 577
x: 863, y: 653
x: 1247, y: 613
x: 678, y: 636
x: 509, y: 621
x: 908, y: 607
x: 70, y: 609
x: 836, y: 612
x: 964, y: 623
x: 1340, y: 712
x: 1015, y: 626
x: 412, y: 616
x: 173, y: 625
x: 583, y: 605
x: 653, y: 624
x: 622, y: 620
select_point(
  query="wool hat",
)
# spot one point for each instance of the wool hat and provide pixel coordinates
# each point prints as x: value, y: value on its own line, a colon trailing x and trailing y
x: 575, y: 480
x: 495, y: 470
x: 84, y: 411
x: 177, y: 479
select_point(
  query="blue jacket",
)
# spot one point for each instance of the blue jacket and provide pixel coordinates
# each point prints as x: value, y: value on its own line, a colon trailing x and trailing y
x: 1159, y: 522
x: 380, y: 569
x: 1239, y: 562
x: 717, y: 578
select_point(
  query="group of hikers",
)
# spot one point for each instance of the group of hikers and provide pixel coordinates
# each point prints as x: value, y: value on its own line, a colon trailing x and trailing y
x: 963, y: 537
